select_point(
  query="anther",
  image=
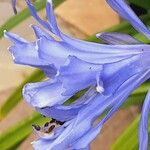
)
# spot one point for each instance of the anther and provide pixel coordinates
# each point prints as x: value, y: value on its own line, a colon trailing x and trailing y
x: 52, y: 121
x: 36, y: 127
x: 59, y: 122
x: 50, y: 129
x: 46, y: 124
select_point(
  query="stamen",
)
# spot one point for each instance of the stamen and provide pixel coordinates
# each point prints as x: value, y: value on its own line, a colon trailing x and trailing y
x: 59, y: 122
x: 48, y: 127
x: 51, y: 129
x: 99, y: 89
x: 52, y: 121
x: 36, y: 127
x: 46, y: 124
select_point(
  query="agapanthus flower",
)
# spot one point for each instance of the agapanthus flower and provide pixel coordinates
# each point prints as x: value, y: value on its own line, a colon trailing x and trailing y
x: 109, y: 71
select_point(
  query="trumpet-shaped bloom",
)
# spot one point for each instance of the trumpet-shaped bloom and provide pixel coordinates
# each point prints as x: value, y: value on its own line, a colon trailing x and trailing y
x: 110, y: 72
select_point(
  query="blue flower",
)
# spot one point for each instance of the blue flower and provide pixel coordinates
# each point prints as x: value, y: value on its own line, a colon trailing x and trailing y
x: 110, y: 72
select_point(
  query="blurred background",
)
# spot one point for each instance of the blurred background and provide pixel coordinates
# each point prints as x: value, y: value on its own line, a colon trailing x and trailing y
x: 78, y: 18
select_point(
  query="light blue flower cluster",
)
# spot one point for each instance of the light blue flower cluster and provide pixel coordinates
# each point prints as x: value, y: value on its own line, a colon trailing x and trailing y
x: 110, y: 71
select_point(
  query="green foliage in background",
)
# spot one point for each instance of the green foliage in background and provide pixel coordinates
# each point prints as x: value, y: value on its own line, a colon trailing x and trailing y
x: 16, y: 134
x: 129, y: 138
x: 142, y: 3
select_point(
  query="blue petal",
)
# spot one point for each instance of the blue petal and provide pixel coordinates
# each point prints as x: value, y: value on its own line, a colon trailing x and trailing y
x: 75, y: 78
x: 41, y: 144
x: 52, y: 51
x: 102, y: 48
x: 14, y: 6
x: 117, y: 38
x: 37, y: 18
x: 85, y: 140
x: 52, y: 25
x: 65, y: 113
x: 61, y: 113
x: 26, y: 53
x: 51, y: 18
x: 119, y: 97
x: 79, y: 44
x: 40, y: 33
x: 145, y: 59
x: 126, y: 12
x: 125, y: 90
x: 44, y: 94
x: 115, y: 74
x: 57, y: 52
x: 143, y: 128
x: 83, y: 122
x: 14, y: 38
